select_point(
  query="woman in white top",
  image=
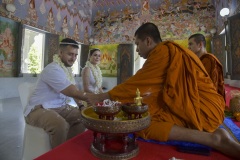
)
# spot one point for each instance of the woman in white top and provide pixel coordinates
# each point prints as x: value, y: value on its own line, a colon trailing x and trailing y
x: 91, y: 73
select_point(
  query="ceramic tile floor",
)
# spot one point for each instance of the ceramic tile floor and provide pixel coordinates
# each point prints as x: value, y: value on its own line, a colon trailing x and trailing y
x: 11, y: 129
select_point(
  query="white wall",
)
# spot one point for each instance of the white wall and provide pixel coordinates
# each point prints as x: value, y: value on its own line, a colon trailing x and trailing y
x: 233, y: 83
x: 9, y: 86
x: 108, y: 82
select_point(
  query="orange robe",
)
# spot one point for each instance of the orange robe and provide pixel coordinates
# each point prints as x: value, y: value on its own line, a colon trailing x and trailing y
x: 178, y: 90
x: 215, y: 71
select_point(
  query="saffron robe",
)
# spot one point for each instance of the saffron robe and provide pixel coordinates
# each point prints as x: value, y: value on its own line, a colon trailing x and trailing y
x: 178, y: 91
x: 215, y: 70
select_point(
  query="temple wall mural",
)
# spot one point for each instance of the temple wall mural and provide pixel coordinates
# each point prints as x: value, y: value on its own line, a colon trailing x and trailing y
x: 108, y: 64
x: 115, y: 21
x: 176, y: 19
x: 69, y: 18
x: 8, y: 47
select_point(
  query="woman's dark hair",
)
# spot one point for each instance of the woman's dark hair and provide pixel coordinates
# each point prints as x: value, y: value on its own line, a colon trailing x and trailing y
x: 148, y: 29
x: 92, y: 51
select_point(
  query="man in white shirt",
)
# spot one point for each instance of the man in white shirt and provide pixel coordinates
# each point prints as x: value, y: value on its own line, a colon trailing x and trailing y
x: 48, y: 106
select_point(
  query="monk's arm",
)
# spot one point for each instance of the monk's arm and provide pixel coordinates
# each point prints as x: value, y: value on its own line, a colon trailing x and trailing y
x: 211, y: 68
x: 148, y: 79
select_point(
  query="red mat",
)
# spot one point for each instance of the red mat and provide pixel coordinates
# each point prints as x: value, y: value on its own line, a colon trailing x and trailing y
x: 78, y: 148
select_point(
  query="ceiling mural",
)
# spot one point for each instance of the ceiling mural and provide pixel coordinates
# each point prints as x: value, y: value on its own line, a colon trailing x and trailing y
x: 115, y: 21
x: 69, y: 18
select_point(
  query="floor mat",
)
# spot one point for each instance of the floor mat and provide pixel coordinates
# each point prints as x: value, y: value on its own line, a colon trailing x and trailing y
x: 228, y: 125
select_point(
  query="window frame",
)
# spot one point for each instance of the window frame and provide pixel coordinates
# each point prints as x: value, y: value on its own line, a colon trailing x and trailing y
x: 78, y: 61
x: 138, y: 61
x: 22, y: 39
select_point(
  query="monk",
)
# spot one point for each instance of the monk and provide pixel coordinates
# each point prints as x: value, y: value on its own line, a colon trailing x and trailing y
x: 183, y: 102
x: 197, y: 44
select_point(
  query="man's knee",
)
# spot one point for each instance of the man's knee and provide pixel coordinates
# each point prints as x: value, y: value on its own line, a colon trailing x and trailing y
x: 75, y: 117
x: 58, y: 126
x: 76, y: 113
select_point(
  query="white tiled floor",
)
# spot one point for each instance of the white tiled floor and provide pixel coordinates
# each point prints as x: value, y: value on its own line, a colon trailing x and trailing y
x: 11, y: 129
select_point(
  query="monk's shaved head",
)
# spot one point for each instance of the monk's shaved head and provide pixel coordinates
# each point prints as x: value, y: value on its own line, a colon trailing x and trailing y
x: 148, y: 29
x: 198, y: 38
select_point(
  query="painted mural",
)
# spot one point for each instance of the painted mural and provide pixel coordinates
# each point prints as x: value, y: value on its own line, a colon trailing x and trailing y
x: 8, y: 49
x: 68, y: 18
x: 115, y: 21
x: 176, y: 19
x: 108, y: 64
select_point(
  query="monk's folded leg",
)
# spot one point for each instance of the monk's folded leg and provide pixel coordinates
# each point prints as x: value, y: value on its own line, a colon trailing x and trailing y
x: 157, y: 131
x: 219, y: 139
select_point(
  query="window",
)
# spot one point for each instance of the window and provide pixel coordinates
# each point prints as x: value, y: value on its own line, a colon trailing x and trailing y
x: 76, y: 65
x: 32, y: 60
x: 33, y: 50
x: 138, y: 61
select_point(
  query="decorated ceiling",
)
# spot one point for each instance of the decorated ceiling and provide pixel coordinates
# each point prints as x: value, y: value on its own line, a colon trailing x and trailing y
x: 115, y: 21
x: 69, y: 18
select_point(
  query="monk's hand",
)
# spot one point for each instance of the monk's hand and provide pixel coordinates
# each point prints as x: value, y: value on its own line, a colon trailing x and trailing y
x: 146, y: 94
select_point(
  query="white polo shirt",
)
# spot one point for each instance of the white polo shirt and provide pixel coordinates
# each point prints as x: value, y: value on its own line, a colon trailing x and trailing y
x: 51, y: 82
